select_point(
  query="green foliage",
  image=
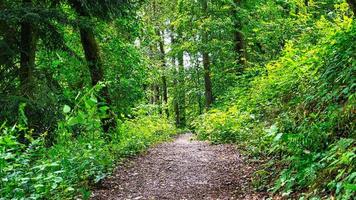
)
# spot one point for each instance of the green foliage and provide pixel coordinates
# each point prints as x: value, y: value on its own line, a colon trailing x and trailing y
x: 300, y: 113
x: 82, y: 155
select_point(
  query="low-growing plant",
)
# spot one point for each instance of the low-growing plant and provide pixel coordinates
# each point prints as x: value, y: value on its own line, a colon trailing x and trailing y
x: 300, y: 114
x: 82, y: 155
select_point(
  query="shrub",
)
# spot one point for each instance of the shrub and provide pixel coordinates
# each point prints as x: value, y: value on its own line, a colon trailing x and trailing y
x: 300, y: 114
x: 81, y: 156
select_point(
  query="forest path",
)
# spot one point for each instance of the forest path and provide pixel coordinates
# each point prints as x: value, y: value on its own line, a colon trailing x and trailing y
x: 182, y: 169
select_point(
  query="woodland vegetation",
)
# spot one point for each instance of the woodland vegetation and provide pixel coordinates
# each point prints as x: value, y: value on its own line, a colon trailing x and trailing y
x: 86, y: 83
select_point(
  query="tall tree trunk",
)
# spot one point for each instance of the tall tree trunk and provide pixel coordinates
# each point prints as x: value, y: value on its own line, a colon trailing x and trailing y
x: 157, y: 97
x: 27, y: 55
x: 240, y: 48
x: 164, y: 77
x: 207, y: 80
x: 92, y: 55
x: 176, y: 87
x: 176, y: 95
x: 200, y: 105
x: 352, y: 4
x: 206, y: 63
x: 165, y: 95
x: 181, y: 89
x: 176, y: 103
x: 239, y: 40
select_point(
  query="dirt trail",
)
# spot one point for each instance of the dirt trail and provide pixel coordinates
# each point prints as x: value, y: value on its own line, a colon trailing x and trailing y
x: 182, y: 169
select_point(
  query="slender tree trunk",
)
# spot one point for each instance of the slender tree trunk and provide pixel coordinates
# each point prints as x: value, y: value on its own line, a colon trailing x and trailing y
x: 165, y: 95
x: 239, y: 40
x: 157, y: 97
x: 207, y: 80
x: 352, y: 4
x: 176, y: 87
x: 200, y: 105
x: 176, y: 104
x: 206, y: 63
x: 181, y: 89
x: 164, y: 78
x: 176, y: 95
x: 27, y: 55
x: 240, y: 48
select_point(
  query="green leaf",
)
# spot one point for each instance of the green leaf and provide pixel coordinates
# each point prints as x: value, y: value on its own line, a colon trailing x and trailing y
x: 73, y: 121
x: 278, y: 137
x: 66, y: 109
x: 350, y: 187
x: 93, y: 99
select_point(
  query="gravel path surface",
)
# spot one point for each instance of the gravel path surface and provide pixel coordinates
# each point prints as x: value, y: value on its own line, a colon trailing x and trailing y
x: 182, y: 169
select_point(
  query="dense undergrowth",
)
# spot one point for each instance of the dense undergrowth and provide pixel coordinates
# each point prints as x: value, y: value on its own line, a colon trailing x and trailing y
x: 82, y: 154
x: 299, y: 115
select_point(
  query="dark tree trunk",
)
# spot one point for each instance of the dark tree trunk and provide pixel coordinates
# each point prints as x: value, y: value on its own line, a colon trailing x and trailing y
x: 240, y: 48
x: 239, y: 40
x: 176, y: 105
x: 165, y: 95
x: 157, y: 97
x: 200, y: 105
x: 181, y: 89
x: 207, y: 80
x: 164, y: 78
x: 176, y: 100
x: 206, y: 63
x: 27, y: 55
x: 91, y: 50
x: 352, y: 4
x: 27, y: 46
x: 176, y: 95
x: 92, y: 55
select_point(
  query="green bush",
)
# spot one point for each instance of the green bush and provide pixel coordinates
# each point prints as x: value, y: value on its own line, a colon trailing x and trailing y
x: 300, y: 114
x: 81, y: 156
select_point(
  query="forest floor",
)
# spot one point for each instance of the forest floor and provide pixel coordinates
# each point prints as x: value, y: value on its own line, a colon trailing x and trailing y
x: 182, y: 169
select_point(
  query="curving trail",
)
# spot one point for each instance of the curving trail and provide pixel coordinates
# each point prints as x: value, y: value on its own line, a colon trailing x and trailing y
x: 182, y: 169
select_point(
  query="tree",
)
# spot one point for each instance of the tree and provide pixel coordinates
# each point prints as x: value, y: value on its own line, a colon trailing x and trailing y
x: 239, y: 38
x: 103, y: 10
x: 181, y: 87
x: 176, y: 84
x: 28, y: 53
x: 206, y: 61
x: 164, y: 66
